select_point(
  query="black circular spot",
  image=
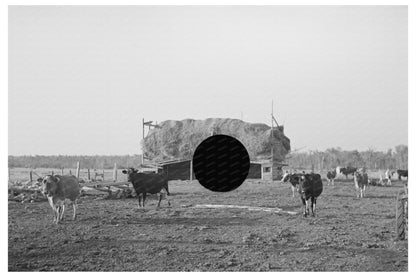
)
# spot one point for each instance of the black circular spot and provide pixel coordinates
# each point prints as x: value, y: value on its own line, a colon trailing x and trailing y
x: 221, y: 163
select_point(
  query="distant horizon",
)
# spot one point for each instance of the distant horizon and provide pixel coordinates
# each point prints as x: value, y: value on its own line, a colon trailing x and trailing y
x: 139, y: 154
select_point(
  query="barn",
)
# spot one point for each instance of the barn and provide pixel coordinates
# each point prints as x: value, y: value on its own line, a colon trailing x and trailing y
x: 182, y: 170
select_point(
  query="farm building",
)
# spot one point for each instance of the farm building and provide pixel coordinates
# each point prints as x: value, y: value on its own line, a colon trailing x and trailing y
x: 182, y: 170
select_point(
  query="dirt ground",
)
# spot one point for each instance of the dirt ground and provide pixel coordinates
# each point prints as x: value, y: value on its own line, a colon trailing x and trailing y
x: 348, y: 234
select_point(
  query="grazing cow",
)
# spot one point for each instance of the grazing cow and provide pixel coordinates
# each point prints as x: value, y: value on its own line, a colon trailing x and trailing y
x: 360, y: 181
x: 402, y: 173
x: 144, y: 183
x: 58, y: 189
x: 310, y: 187
x: 347, y: 170
x: 331, y: 177
x: 293, y: 179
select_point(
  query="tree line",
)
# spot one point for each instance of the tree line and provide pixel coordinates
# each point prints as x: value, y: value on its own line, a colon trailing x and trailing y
x: 316, y: 160
x: 333, y: 157
x: 66, y: 161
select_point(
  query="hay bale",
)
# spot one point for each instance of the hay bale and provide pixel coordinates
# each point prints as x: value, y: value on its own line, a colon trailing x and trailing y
x: 179, y: 139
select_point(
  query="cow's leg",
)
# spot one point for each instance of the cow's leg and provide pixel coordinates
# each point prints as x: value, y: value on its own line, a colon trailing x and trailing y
x: 57, y: 214
x: 167, y: 196
x: 304, y: 206
x: 144, y: 198
x: 312, y: 206
x: 61, y: 216
x: 160, y: 199
x: 74, y: 206
x: 139, y: 196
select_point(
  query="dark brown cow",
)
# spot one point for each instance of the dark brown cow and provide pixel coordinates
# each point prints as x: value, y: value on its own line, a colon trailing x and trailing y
x: 144, y: 183
x: 310, y: 187
x: 347, y: 170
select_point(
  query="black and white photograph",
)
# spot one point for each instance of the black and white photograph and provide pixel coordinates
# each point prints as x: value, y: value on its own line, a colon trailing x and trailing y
x: 207, y: 138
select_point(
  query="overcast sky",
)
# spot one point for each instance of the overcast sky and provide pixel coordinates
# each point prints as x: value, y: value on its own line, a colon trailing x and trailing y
x: 82, y: 78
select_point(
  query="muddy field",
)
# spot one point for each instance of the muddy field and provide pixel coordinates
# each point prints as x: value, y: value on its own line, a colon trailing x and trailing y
x: 348, y: 234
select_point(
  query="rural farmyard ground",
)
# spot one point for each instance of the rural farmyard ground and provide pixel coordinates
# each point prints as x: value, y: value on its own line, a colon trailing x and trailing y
x: 348, y: 234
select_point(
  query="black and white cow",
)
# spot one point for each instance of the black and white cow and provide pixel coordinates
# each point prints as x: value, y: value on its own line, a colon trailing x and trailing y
x: 331, y: 177
x: 310, y: 187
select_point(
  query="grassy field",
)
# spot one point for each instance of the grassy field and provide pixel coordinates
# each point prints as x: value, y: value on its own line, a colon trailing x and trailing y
x: 348, y: 234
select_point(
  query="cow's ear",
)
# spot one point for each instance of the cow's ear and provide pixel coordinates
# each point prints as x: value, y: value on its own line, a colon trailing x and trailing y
x: 57, y: 179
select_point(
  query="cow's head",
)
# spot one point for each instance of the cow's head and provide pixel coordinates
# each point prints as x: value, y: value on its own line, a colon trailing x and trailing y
x: 130, y: 171
x: 285, y: 177
x: 50, y: 185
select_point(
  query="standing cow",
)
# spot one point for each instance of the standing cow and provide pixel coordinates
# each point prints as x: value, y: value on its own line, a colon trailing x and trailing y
x: 360, y: 181
x: 402, y: 173
x: 346, y: 170
x: 331, y: 177
x: 59, y: 189
x: 144, y: 183
x: 310, y: 187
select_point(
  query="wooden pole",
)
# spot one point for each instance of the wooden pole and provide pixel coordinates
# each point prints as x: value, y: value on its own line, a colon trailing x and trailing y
x: 62, y: 171
x: 30, y: 176
x: 70, y: 172
x: 89, y: 176
x: 115, y: 172
x: 77, y: 174
x: 103, y: 175
x: 52, y: 172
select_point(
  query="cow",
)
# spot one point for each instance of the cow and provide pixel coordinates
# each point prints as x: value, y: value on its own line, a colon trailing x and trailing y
x: 310, y: 187
x: 331, y: 177
x: 346, y: 170
x: 143, y: 183
x: 388, y: 177
x: 360, y: 181
x: 59, y: 189
x: 293, y: 179
x: 402, y: 173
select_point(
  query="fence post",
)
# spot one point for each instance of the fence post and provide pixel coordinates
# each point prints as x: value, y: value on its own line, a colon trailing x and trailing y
x: 70, y: 172
x: 62, y: 171
x: 89, y: 176
x: 52, y: 172
x: 30, y: 176
x: 77, y: 170
x: 115, y: 172
x: 103, y: 175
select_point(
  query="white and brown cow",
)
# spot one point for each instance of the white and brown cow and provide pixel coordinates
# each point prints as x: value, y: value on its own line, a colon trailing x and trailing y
x: 360, y: 181
x: 59, y: 189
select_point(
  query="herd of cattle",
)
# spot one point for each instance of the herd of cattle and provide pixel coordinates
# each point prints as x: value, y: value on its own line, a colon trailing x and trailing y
x: 66, y: 189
